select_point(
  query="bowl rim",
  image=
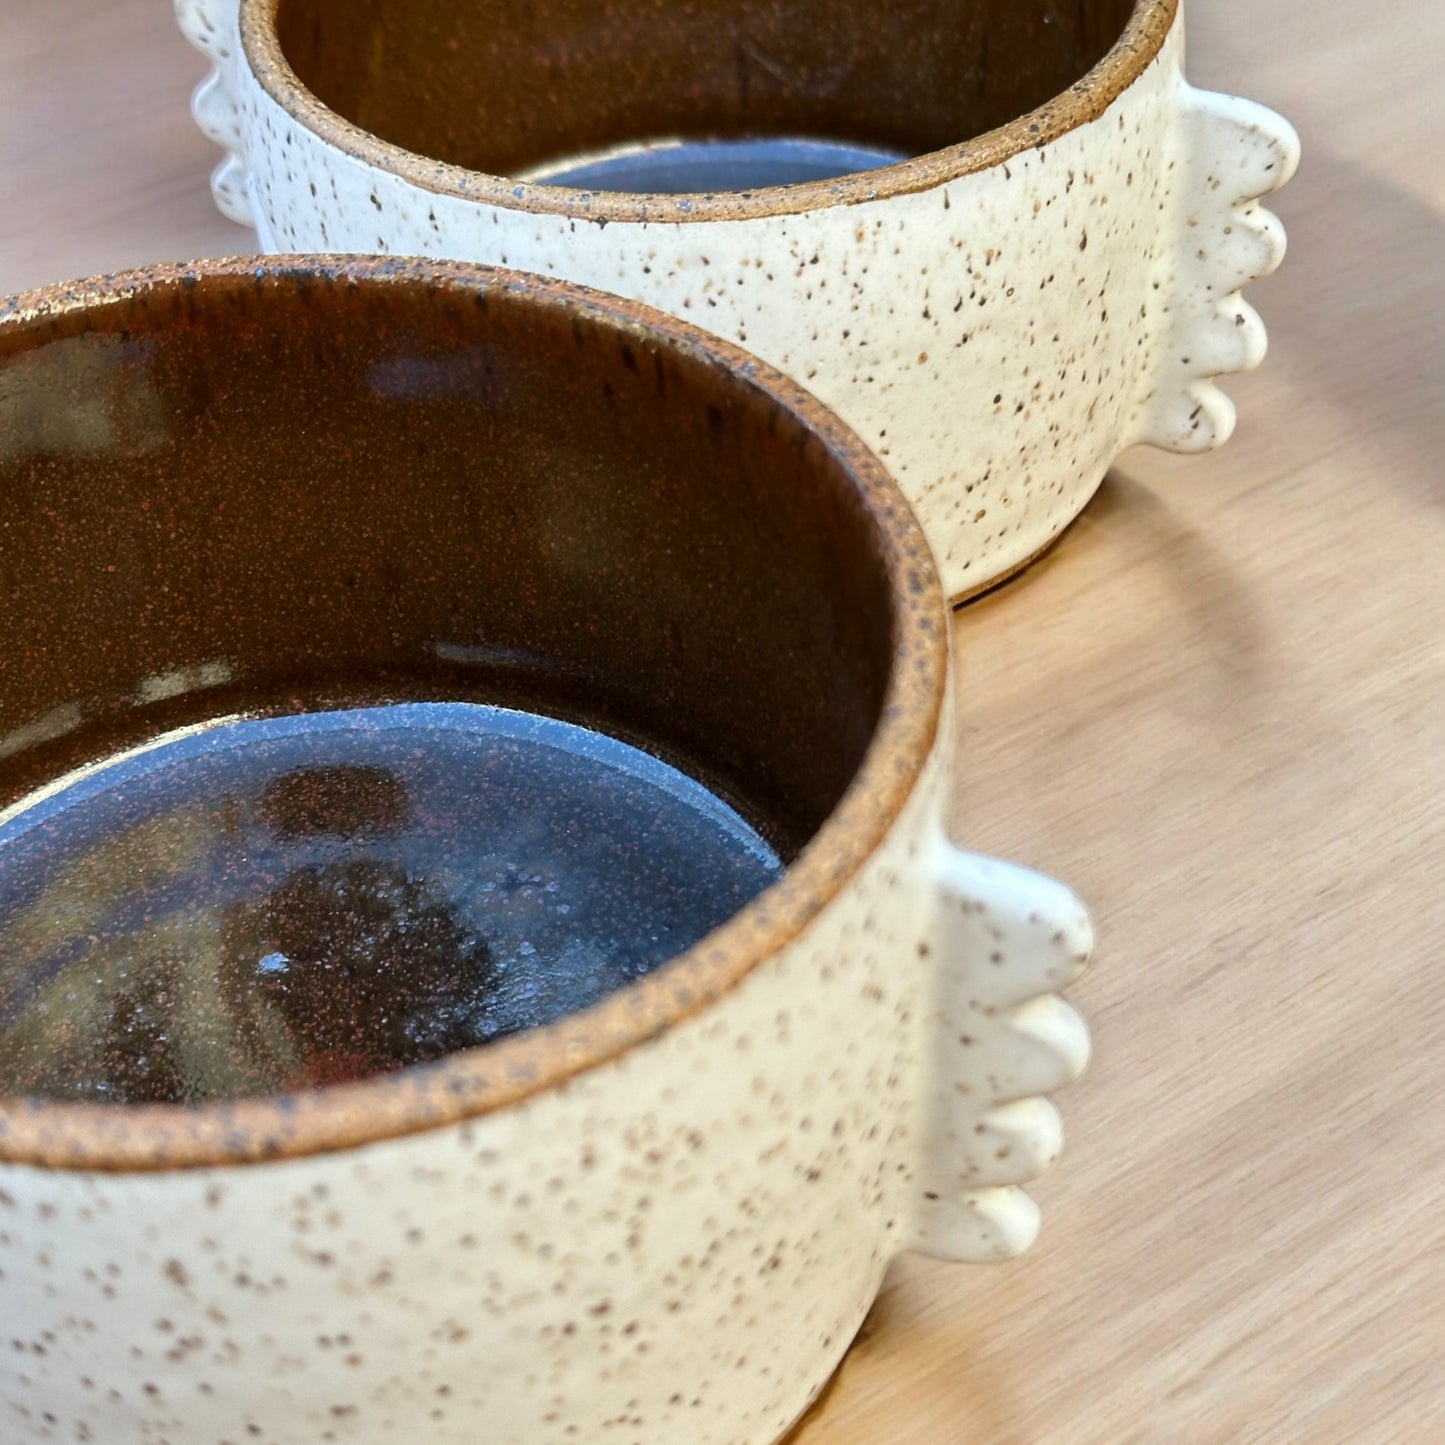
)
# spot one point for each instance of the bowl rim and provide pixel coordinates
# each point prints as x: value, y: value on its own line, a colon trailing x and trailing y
x: 1137, y: 47
x: 471, y: 1083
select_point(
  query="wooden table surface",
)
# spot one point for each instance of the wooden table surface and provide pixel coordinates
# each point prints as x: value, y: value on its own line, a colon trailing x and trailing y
x: 1217, y: 709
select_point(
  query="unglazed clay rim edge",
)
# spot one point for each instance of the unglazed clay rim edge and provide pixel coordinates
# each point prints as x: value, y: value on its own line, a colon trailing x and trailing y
x: 1148, y: 26
x: 170, y: 1136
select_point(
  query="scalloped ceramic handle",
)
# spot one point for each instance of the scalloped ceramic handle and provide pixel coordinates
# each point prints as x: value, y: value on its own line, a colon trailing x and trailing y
x: 996, y: 1040
x: 213, y: 27
x: 1227, y: 154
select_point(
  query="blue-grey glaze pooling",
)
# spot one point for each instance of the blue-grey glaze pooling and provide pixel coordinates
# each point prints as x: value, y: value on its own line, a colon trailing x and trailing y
x: 271, y: 904
x: 691, y: 167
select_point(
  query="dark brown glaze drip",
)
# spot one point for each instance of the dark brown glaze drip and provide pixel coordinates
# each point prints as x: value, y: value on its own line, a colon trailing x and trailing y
x: 502, y: 86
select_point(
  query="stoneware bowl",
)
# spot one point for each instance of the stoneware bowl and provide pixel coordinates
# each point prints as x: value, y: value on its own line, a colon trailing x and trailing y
x: 662, y: 1217
x: 1042, y: 267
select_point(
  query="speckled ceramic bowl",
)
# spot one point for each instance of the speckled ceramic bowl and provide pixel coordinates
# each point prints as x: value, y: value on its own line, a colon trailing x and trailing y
x: 1049, y: 271
x: 668, y: 1212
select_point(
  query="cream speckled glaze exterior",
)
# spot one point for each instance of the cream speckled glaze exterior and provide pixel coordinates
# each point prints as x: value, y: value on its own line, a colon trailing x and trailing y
x: 671, y: 1238
x: 998, y: 320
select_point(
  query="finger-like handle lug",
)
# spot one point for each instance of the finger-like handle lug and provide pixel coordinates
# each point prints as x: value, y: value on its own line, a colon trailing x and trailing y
x: 212, y: 27
x: 978, y: 1227
x: 1229, y: 152
x: 996, y: 1040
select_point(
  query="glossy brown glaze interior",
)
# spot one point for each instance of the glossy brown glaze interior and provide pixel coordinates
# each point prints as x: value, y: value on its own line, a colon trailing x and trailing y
x: 318, y: 489
x: 502, y: 85
x: 252, y: 485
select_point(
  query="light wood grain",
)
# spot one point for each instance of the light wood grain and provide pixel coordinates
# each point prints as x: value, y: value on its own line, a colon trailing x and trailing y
x: 1217, y: 709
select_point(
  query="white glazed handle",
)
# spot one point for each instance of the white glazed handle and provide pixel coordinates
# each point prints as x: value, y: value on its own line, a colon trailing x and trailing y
x: 996, y: 1040
x: 1226, y: 153
x: 213, y: 27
